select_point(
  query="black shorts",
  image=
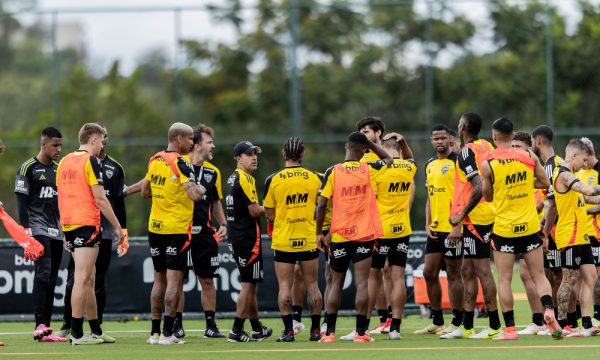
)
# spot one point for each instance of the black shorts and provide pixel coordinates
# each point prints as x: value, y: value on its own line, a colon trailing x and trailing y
x: 516, y: 245
x: 595, y: 250
x: 342, y: 253
x: 575, y: 256
x: 250, y: 266
x: 290, y: 257
x: 552, y: 260
x: 394, y: 250
x: 84, y: 236
x: 441, y: 245
x: 169, y: 251
x: 477, y: 246
x: 204, y: 255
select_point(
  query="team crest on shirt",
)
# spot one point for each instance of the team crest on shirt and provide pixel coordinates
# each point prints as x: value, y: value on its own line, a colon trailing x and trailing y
x: 109, y: 173
x: 592, y: 179
x: 207, y: 177
x: 445, y: 169
x: 578, y: 261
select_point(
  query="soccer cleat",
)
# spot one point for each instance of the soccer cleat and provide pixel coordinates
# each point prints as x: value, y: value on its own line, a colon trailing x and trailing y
x: 552, y: 324
x: 52, y: 338
x: 315, y: 335
x: 107, y: 339
x: 179, y: 332
x: 363, y: 338
x: 240, y: 337
x: 377, y: 329
x: 509, y: 333
x: 545, y: 332
x: 40, y: 331
x: 459, y: 333
x: 324, y: 328
x: 170, y: 340
x: 569, y: 331
x: 486, y: 334
x: 328, y: 339
x: 286, y: 336
x: 348, y: 337
x: 213, y: 333
x: 593, y: 331
x: 531, y: 329
x: 394, y: 335
x: 430, y: 329
x: 448, y: 329
x: 2, y: 344
x: 298, y: 327
x: 153, y: 339
x: 386, y: 326
x: 85, y: 340
x: 64, y: 331
x: 263, y: 333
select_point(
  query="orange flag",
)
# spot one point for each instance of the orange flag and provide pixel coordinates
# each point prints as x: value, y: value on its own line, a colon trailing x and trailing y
x: 33, y: 249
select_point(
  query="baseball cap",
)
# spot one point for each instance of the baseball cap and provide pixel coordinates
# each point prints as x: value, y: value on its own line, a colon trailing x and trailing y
x: 245, y: 147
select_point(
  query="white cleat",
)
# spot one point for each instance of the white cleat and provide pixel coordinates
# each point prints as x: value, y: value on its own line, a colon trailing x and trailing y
x: 394, y: 335
x: 171, y: 340
x: 349, y: 337
x: 153, y: 339
x: 532, y: 329
x: 298, y: 327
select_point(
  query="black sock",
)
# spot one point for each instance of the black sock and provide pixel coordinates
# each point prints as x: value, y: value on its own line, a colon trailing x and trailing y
x: 468, y: 319
x: 209, y: 316
x: 168, y: 325
x: 179, y: 318
x: 238, y: 325
x: 494, y: 319
x: 368, y: 324
x: 538, y: 319
x: 39, y: 319
x: 297, y: 312
x: 155, y: 327
x: 572, y: 319
x: 547, y: 302
x: 458, y: 317
x: 383, y: 314
x: 315, y: 320
x: 331, y: 320
x: 256, y: 325
x: 395, y: 325
x: 555, y: 312
x: 578, y: 311
x: 77, y: 327
x: 361, y: 324
x: 325, y: 317
x: 597, y: 312
x: 509, y: 318
x: 438, y: 317
x: 288, y: 322
x: 389, y: 309
x: 586, y: 322
x: 95, y: 326
x: 563, y: 323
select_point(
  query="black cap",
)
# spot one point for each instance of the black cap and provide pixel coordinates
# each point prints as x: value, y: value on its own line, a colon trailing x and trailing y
x: 245, y: 147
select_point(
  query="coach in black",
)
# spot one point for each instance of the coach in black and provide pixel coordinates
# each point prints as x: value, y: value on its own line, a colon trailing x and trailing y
x: 37, y: 201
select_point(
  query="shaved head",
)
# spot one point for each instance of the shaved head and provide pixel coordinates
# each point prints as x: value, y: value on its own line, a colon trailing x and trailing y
x: 179, y: 129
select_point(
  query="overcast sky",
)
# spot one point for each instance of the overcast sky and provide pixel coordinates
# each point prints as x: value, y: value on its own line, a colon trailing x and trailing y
x: 127, y: 36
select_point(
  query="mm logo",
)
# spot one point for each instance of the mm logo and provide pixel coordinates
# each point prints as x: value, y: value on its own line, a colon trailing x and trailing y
x: 397, y: 228
x: 399, y: 187
x: 158, y: 180
x: 354, y: 190
x: 296, y: 199
x: 298, y: 243
x: 157, y: 225
x: 519, y: 228
x: 518, y: 177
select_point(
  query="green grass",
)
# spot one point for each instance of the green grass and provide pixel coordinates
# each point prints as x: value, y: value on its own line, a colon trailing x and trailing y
x: 131, y: 345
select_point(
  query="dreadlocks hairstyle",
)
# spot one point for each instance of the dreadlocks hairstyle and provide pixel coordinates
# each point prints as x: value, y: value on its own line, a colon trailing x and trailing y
x: 293, y: 149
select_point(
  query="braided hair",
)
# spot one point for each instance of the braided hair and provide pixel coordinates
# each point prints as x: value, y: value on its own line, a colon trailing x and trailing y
x: 293, y: 149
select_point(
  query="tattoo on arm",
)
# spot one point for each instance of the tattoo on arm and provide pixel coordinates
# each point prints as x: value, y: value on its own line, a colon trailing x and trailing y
x: 476, y: 194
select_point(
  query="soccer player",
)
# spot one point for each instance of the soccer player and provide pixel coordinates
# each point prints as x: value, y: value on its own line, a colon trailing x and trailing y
x: 113, y: 176
x: 35, y: 188
x: 508, y: 181
x: 476, y: 217
x: 81, y: 199
x: 522, y: 140
x: 355, y: 224
x: 171, y: 183
x: 440, y: 178
x: 291, y: 196
x: 571, y: 236
x: 589, y: 176
x: 395, y: 194
x: 542, y: 137
x: 243, y: 224
x: 205, y: 238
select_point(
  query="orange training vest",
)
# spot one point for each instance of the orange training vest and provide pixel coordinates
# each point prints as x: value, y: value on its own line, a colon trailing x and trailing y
x: 170, y: 158
x: 355, y: 214
x: 75, y: 198
x: 513, y: 154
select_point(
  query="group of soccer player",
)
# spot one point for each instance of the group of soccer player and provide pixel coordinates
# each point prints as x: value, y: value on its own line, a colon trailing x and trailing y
x: 514, y: 198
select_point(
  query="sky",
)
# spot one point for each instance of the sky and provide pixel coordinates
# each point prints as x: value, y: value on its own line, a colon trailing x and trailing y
x: 128, y: 36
